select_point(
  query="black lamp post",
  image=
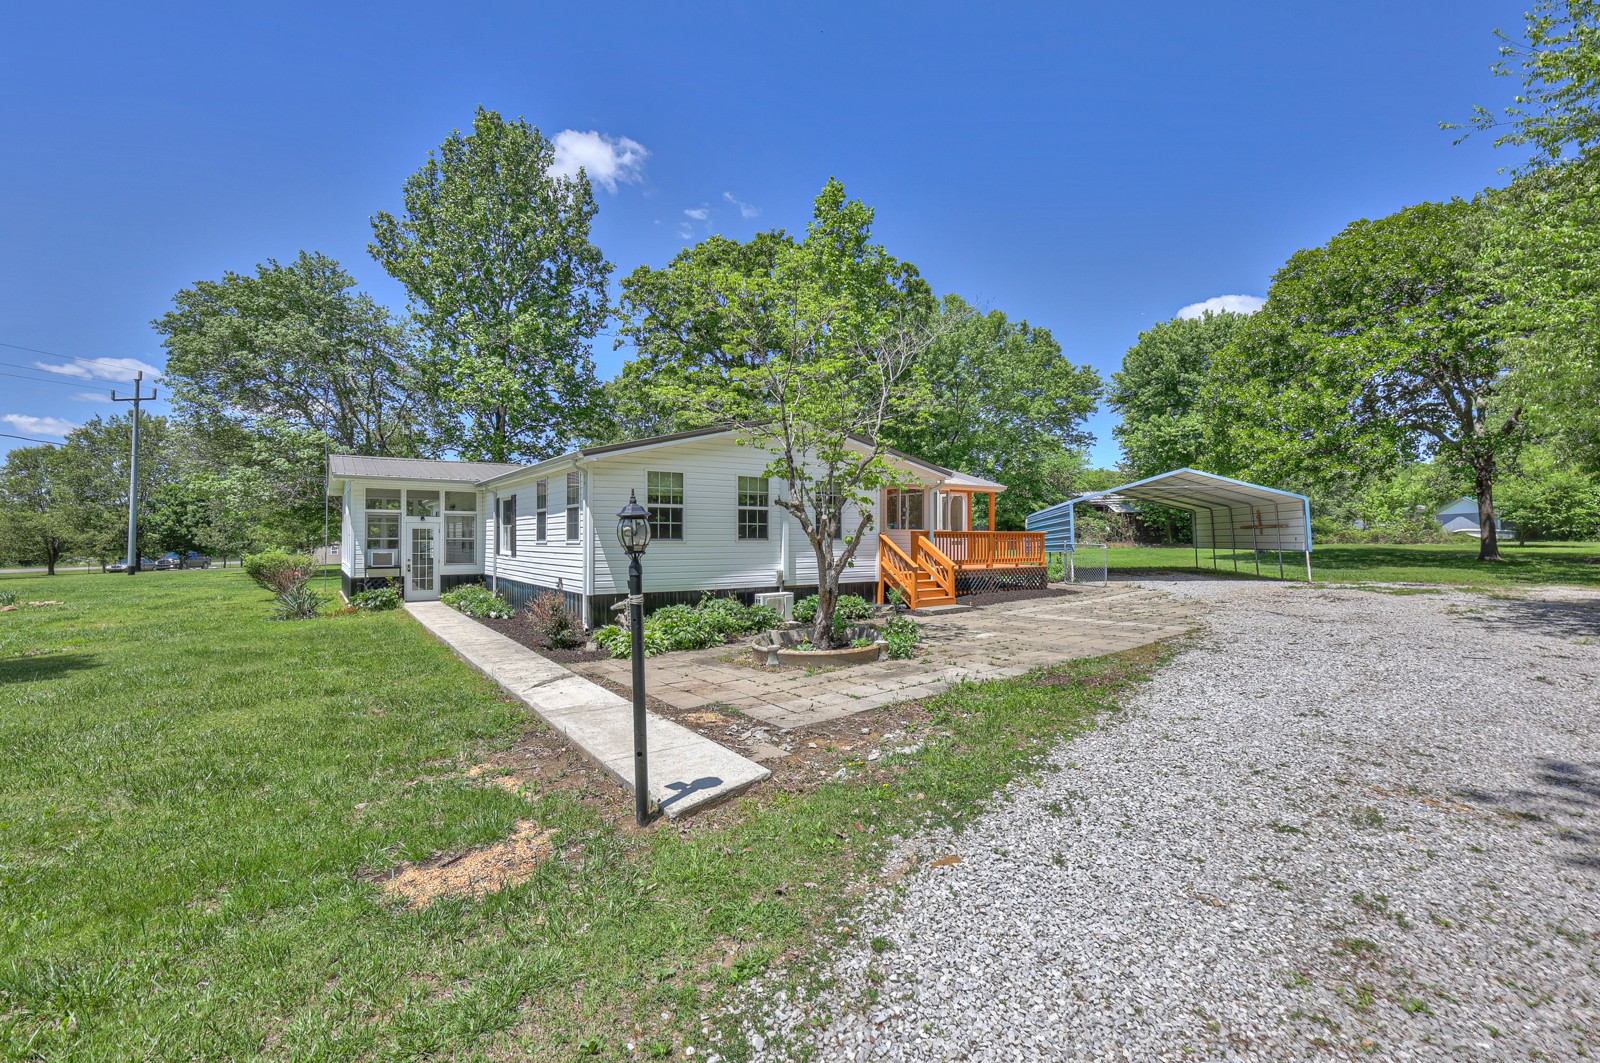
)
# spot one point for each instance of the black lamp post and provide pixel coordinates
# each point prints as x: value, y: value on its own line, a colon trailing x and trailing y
x: 633, y: 532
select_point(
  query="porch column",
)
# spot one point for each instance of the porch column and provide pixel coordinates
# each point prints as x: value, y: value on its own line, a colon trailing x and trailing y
x: 991, y: 511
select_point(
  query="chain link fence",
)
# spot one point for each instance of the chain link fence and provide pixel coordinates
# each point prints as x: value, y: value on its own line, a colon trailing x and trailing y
x: 1087, y: 563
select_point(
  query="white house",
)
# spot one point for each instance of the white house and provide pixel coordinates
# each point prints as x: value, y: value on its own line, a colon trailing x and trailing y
x: 551, y: 526
x: 1462, y: 516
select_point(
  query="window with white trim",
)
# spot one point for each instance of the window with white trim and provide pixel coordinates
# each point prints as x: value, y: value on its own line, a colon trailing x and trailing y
x: 752, y: 507
x: 383, y: 531
x: 460, y: 528
x: 508, y: 525
x: 663, y: 492
x: 572, y: 507
x: 541, y: 510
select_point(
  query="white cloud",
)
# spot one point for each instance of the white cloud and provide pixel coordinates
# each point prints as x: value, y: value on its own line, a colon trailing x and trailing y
x: 608, y: 161
x: 685, y: 231
x: 746, y: 210
x: 119, y: 369
x: 29, y: 425
x: 1224, y: 304
x: 698, y: 213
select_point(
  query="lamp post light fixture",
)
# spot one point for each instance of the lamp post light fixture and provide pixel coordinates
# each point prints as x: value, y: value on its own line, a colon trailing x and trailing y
x: 633, y: 532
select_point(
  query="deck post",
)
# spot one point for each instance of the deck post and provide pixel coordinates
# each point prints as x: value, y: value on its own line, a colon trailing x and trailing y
x: 991, y: 512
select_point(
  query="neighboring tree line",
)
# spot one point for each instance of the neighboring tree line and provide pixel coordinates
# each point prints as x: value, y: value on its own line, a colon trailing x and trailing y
x: 1450, y: 348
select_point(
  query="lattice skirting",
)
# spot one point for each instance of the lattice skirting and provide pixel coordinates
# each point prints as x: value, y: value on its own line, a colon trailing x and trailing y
x: 1013, y: 579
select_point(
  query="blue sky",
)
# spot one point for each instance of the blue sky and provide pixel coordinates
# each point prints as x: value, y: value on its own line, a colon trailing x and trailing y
x: 1091, y: 168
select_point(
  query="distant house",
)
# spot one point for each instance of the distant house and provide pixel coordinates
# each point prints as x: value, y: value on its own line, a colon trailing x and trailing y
x: 1462, y: 516
x: 427, y: 526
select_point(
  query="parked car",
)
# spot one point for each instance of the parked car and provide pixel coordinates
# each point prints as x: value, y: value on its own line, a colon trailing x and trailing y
x: 121, y: 565
x: 194, y: 560
x: 174, y: 560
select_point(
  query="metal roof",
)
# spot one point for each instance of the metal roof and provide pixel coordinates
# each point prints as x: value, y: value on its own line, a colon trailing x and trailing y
x: 357, y: 465
x: 1229, y: 514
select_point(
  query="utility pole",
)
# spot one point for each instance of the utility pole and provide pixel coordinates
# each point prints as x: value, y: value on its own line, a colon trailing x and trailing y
x: 137, y: 397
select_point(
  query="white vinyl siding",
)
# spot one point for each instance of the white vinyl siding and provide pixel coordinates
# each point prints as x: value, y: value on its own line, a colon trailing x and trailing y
x: 710, y: 556
x: 554, y: 561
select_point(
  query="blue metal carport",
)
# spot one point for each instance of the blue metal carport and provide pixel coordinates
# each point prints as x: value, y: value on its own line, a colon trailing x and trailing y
x: 1229, y: 515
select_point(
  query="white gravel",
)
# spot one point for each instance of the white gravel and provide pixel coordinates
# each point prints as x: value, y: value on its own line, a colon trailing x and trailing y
x: 1343, y: 824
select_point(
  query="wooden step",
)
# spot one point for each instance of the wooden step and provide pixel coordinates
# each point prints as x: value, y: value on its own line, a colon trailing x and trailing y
x: 942, y: 599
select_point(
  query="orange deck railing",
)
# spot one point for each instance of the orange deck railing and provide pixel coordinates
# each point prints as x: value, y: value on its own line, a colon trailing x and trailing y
x: 986, y: 550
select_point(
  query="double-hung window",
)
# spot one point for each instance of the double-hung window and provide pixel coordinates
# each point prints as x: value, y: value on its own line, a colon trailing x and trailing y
x: 508, y: 525
x: 572, y: 507
x: 383, y: 519
x: 460, y: 527
x: 752, y: 507
x: 541, y: 509
x: 664, y: 499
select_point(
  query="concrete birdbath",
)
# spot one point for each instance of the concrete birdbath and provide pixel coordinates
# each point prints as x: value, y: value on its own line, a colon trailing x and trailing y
x: 778, y: 648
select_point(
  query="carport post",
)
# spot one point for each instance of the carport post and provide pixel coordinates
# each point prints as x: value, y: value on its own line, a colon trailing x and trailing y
x: 1233, y: 538
x: 1254, y: 551
x: 1194, y: 536
x: 1308, y: 566
x: 1277, y: 518
x: 1211, y: 518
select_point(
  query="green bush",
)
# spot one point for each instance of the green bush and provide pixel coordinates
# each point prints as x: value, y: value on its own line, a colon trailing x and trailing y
x: 376, y: 599
x: 902, y: 635
x: 618, y: 641
x: 278, y: 570
x: 730, y: 617
x: 683, y: 627
x: 7, y: 598
x: 1055, y: 567
x: 479, y: 601
x: 847, y: 607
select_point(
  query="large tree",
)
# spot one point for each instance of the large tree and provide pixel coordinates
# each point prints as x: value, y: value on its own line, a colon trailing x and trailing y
x: 1008, y: 406
x: 1157, y: 392
x: 39, y: 522
x: 494, y: 250
x: 813, y: 356
x: 294, y: 344
x: 1375, y: 349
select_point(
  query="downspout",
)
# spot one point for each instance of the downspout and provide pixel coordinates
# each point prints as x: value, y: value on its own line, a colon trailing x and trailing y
x: 494, y: 540
x: 586, y: 529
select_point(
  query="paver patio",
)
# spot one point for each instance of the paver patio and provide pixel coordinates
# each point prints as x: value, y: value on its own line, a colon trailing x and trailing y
x: 988, y: 642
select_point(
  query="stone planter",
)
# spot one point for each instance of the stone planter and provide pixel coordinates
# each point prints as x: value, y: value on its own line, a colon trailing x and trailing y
x: 777, y: 648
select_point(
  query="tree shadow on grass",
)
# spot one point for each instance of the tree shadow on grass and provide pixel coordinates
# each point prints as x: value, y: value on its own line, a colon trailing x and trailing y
x: 1559, y: 793
x: 44, y: 666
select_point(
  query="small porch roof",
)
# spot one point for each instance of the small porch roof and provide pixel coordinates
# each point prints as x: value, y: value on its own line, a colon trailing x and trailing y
x: 966, y: 482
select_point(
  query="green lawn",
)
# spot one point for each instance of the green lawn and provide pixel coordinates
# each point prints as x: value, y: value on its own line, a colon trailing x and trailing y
x: 187, y: 791
x: 1537, y: 563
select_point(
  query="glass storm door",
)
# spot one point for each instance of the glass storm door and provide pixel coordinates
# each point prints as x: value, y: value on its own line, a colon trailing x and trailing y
x: 422, y: 569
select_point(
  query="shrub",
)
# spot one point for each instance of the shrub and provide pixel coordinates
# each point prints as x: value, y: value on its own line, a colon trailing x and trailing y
x: 902, y: 635
x: 279, y: 570
x: 846, y: 607
x: 730, y: 617
x: 683, y: 627
x: 297, y: 602
x: 7, y: 598
x: 553, y: 623
x: 476, y: 600
x: 1055, y: 567
x: 896, y: 598
x: 618, y: 641
x: 376, y: 599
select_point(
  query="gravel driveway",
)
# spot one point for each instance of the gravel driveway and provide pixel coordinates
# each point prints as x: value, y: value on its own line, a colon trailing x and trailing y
x: 1342, y: 824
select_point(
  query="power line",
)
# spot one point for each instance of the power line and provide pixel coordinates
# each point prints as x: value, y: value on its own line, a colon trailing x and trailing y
x: 55, y: 354
x: 29, y: 439
x: 58, y: 383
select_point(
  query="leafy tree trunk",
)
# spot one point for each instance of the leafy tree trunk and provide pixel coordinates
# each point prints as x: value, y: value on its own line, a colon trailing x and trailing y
x: 827, y: 595
x: 52, y: 554
x: 1483, y: 483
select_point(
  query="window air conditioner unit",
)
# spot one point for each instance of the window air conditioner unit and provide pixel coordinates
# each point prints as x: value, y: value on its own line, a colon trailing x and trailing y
x: 383, y: 559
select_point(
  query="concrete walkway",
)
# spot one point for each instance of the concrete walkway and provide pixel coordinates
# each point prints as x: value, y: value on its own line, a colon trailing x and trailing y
x: 990, y: 642
x: 687, y: 771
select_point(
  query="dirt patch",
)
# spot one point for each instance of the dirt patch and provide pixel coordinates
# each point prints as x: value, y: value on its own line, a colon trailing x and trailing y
x: 475, y: 872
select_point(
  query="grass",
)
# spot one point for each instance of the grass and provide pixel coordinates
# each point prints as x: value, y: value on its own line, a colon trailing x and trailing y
x: 1575, y: 564
x: 188, y: 790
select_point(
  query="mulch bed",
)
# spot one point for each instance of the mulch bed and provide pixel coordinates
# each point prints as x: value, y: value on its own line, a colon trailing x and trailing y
x: 520, y: 631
